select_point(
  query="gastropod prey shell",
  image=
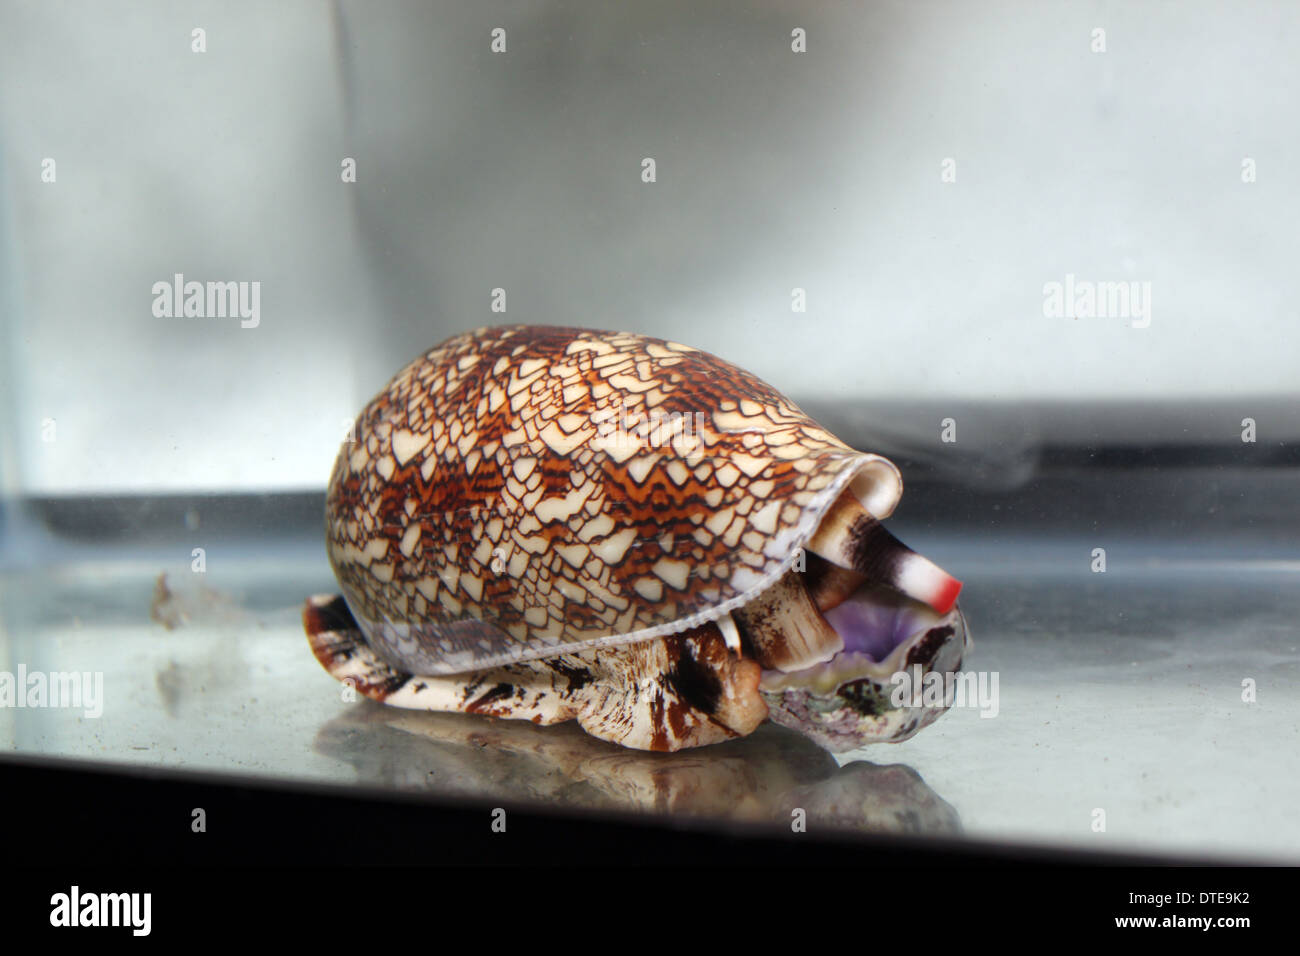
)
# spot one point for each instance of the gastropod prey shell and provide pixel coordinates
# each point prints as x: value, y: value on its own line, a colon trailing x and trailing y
x: 565, y: 524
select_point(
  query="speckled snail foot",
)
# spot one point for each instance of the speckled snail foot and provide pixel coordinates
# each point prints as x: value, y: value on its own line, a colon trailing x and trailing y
x: 559, y: 524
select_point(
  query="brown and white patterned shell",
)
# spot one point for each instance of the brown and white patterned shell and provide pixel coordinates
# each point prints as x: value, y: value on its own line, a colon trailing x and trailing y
x: 523, y: 492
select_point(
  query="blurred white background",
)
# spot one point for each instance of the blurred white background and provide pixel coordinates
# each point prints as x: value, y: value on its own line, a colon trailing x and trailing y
x: 820, y: 170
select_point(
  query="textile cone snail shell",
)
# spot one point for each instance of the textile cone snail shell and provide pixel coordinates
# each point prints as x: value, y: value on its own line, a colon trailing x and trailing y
x: 554, y: 524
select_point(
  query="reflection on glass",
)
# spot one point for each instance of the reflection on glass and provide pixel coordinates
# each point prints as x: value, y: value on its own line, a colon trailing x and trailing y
x: 766, y: 777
